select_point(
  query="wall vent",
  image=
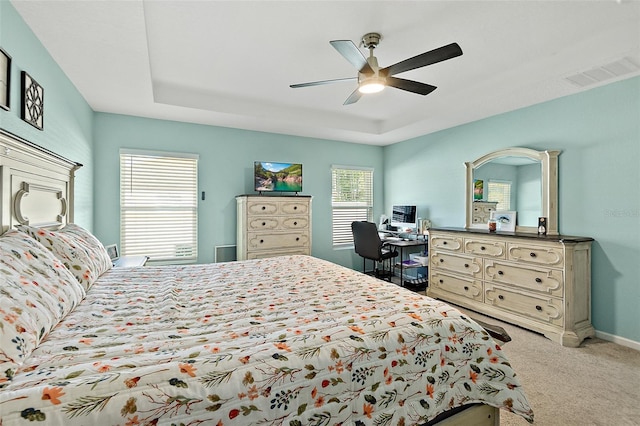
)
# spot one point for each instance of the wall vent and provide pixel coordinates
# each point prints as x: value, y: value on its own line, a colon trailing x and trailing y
x: 225, y: 253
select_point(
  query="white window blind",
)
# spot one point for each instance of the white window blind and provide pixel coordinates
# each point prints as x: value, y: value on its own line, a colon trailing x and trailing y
x: 159, y: 205
x: 500, y: 191
x: 351, y: 200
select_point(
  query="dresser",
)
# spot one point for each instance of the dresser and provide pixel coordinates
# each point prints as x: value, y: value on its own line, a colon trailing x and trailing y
x: 542, y: 283
x: 273, y: 226
x: 481, y: 211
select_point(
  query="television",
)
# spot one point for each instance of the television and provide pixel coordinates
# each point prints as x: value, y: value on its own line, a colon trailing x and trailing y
x: 277, y: 177
x: 403, y: 217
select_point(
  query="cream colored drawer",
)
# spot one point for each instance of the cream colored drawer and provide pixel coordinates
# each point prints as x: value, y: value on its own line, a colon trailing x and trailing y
x: 263, y: 223
x: 536, y: 255
x: 274, y: 253
x: 538, y: 307
x: 262, y: 207
x: 489, y: 248
x: 544, y: 280
x: 257, y: 241
x: 446, y: 242
x: 465, y: 287
x: 294, y: 223
x: 463, y: 265
x: 294, y: 207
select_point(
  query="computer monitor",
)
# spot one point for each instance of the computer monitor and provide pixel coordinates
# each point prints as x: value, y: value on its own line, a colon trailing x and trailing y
x: 403, y: 217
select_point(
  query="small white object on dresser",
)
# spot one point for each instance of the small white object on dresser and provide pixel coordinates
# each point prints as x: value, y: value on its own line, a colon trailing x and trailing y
x: 542, y: 283
x: 273, y: 226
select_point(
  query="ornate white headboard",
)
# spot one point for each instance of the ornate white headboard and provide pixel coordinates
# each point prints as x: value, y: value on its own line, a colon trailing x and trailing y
x: 36, y: 185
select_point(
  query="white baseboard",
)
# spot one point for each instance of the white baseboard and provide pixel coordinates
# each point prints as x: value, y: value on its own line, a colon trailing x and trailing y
x: 619, y: 340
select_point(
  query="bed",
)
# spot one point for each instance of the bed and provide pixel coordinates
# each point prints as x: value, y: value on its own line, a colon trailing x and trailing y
x: 291, y: 340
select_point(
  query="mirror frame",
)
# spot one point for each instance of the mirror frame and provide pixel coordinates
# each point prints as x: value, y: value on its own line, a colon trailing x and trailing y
x: 549, y: 185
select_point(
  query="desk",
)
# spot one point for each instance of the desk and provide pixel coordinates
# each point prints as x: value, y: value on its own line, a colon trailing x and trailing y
x: 401, y: 245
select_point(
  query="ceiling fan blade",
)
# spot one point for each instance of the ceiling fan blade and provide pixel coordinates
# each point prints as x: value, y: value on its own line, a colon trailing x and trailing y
x: 352, y: 54
x: 410, y: 85
x: 319, y: 83
x: 431, y: 57
x: 353, y: 97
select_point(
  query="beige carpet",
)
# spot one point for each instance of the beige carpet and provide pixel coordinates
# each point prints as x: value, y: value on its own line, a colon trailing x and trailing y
x: 595, y: 384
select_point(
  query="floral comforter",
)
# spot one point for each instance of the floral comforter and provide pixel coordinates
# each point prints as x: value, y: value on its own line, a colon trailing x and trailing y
x: 282, y: 341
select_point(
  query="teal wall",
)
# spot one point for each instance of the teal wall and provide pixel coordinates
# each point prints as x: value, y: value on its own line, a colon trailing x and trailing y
x: 68, y: 119
x: 225, y: 170
x: 598, y: 132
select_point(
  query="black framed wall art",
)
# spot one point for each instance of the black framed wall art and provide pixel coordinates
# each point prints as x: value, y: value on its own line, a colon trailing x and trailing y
x: 32, y: 101
x: 5, y: 79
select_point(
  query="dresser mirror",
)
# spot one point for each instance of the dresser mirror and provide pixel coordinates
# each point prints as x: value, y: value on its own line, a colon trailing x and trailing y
x: 533, y: 180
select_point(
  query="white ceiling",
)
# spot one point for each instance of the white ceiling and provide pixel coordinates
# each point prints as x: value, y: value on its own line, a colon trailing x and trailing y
x: 230, y: 63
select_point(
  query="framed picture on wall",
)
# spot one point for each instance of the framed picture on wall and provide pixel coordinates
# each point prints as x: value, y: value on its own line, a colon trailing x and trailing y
x: 505, y: 220
x: 5, y: 79
x: 32, y: 101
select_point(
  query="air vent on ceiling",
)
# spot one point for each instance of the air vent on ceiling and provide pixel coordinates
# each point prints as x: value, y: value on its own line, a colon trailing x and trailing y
x: 602, y: 73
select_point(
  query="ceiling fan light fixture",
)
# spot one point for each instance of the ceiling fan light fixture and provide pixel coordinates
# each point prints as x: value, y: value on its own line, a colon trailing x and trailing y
x: 372, y: 85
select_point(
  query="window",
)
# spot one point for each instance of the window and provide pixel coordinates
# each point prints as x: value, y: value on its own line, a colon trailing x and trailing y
x: 500, y: 191
x: 351, y: 200
x: 159, y: 205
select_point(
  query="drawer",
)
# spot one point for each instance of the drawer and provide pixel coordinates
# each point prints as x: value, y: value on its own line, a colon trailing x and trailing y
x: 544, y: 280
x: 258, y: 241
x: 545, y: 309
x: 465, y: 287
x: 262, y: 207
x: 487, y: 248
x: 274, y: 253
x: 462, y: 265
x: 294, y: 207
x: 263, y: 223
x: 294, y: 222
x: 445, y: 242
x: 536, y: 255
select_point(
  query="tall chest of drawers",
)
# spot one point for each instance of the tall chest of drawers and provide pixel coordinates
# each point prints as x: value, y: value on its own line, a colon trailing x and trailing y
x: 542, y: 283
x: 273, y: 226
x: 481, y: 212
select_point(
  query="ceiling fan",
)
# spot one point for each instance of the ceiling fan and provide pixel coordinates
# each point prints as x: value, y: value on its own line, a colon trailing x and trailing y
x: 371, y: 78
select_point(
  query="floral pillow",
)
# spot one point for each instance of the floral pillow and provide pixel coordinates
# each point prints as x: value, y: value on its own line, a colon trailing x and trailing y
x: 37, y: 292
x: 77, y: 248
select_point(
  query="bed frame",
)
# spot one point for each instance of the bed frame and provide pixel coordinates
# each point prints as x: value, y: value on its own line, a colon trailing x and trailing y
x: 36, y: 188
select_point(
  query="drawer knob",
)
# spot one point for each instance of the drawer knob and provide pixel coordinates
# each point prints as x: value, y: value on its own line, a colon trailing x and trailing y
x: 466, y: 288
x: 441, y: 281
x: 538, y: 308
x: 483, y: 248
x: 501, y: 297
x: 295, y: 223
x: 264, y: 223
x: 264, y: 207
x: 466, y: 265
x: 295, y: 207
x: 538, y: 280
x: 444, y: 243
x: 500, y: 273
x: 532, y: 254
x: 261, y: 241
x: 441, y: 260
x: 297, y: 238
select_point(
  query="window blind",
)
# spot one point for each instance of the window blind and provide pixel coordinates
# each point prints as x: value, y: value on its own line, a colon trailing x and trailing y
x: 158, y: 205
x: 500, y: 191
x: 351, y: 200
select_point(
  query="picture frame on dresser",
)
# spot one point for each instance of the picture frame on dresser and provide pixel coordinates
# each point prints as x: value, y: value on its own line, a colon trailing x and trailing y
x: 5, y: 80
x: 506, y: 220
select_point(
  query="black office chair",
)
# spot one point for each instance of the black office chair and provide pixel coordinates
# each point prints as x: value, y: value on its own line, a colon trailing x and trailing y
x: 369, y: 246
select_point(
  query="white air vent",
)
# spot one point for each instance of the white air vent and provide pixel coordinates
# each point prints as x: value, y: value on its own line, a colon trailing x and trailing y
x: 609, y: 71
x: 184, y: 250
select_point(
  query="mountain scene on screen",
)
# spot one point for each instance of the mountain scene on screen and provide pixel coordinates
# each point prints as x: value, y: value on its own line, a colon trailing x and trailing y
x: 284, y: 177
